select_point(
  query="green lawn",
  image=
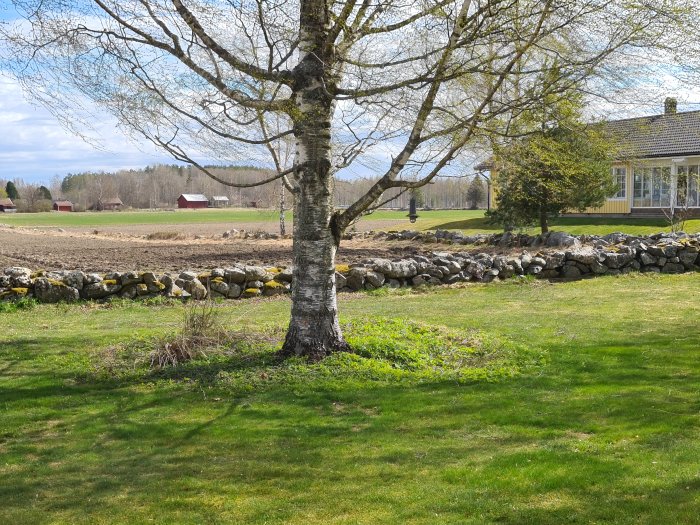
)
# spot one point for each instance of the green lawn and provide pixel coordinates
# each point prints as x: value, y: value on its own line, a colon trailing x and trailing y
x: 573, y: 225
x: 605, y: 430
x: 467, y: 221
x: 106, y: 218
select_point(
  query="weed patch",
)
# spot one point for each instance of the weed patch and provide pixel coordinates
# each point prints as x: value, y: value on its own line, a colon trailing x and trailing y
x: 165, y: 236
x: 386, y: 351
x: 22, y: 303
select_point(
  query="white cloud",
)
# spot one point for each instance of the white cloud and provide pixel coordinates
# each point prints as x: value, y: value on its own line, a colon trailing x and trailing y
x: 35, y: 147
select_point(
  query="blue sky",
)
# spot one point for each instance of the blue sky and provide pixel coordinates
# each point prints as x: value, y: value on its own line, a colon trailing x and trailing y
x: 35, y: 147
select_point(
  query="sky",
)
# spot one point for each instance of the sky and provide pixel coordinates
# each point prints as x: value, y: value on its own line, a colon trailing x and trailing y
x: 35, y: 147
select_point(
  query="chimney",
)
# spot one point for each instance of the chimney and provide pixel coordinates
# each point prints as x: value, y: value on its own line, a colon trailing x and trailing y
x: 670, y: 106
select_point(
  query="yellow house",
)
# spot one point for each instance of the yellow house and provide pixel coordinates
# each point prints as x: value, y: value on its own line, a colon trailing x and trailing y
x: 659, y: 165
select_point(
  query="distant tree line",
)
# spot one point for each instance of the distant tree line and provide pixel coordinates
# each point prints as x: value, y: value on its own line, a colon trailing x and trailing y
x: 159, y: 186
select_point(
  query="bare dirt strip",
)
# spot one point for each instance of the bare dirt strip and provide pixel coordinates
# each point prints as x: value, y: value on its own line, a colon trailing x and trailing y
x: 127, y: 248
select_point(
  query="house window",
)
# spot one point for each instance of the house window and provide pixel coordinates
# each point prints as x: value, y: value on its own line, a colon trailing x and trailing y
x: 620, y: 179
x: 687, y: 194
x: 693, y: 187
x: 652, y: 187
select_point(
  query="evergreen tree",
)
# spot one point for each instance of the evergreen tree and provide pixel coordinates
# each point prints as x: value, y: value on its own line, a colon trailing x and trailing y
x: 44, y: 193
x: 563, y: 166
x: 11, y: 190
x: 476, y: 193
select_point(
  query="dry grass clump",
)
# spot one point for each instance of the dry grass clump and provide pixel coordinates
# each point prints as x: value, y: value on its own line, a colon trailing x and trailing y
x: 165, y: 236
x: 201, y: 330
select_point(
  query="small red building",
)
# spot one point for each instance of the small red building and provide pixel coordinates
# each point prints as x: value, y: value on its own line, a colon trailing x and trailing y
x: 62, y: 206
x: 7, y: 206
x: 191, y: 200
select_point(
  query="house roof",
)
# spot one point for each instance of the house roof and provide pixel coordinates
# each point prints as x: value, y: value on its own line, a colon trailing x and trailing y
x: 668, y: 135
x: 7, y: 202
x: 220, y: 198
x: 194, y: 197
x: 116, y: 201
x: 63, y: 203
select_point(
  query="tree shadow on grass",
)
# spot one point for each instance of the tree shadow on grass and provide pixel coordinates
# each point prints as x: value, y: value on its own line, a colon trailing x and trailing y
x: 534, y: 449
x: 478, y: 223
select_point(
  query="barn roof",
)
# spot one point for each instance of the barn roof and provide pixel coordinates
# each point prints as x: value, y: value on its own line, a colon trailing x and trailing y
x: 63, y: 203
x: 116, y: 201
x: 668, y: 135
x: 7, y: 202
x: 220, y: 198
x: 194, y: 197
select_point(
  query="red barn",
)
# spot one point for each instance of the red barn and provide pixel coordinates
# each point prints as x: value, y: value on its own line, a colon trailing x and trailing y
x: 62, y: 206
x: 190, y: 200
x: 7, y: 206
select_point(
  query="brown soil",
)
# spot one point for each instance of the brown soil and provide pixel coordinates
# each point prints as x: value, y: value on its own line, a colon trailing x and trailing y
x: 127, y: 249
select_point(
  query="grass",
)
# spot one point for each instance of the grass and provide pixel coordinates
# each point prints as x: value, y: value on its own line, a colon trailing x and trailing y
x: 603, y: 429
x: 468, y: 221
x: 573, y: 225
x: 125, y: 218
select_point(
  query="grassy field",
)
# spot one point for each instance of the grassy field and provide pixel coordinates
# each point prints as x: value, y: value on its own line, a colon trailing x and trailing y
x: 604, y: 429
x: 106, y: 218
x: 466, y: 220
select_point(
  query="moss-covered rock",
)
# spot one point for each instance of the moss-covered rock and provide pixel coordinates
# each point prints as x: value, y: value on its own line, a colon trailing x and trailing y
x: 54, y: 291
x: 274, y: 288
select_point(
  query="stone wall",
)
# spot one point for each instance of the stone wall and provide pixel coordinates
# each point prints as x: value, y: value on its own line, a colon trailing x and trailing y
x: 559, y: 257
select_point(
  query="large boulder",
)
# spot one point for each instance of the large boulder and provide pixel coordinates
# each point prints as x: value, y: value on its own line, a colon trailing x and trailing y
x: 570, y: 272
x: 256, y: 273
x: 218, y: 286
x: 18, y: 271
x: 374, y: 279
x: 74, y: 279
x: 673, y: 268
x: 401, y: 270
x: 382, y: 266
x: 187, y: 276
x: 53, y: 291
x: 586, y: 255
x: 234, y: 275
x: 195, y: 288
x: 561, y: 240
x: 355, y: 278
x: 234, y: 291
x: 688, y: 256
x: 101, y: 290
x: 131, y: 278
x: 285, y: 275
x: 617, y: 259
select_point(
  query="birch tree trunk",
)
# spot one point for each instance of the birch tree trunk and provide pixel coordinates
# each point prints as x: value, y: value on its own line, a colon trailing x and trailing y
x: 314, y: 331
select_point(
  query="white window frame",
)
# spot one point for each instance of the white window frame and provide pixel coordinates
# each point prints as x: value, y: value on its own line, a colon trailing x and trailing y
x: 620, y: 171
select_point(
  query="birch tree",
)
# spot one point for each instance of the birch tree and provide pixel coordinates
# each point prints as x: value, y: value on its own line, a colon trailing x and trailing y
x: 397, y: 88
